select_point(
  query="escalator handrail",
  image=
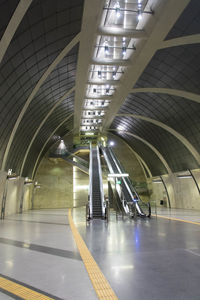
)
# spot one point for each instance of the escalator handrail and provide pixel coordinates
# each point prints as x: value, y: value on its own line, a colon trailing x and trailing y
x: 126, y: 183
x: 100, y: 182
x: 107, y: 160
x: 90, y: 183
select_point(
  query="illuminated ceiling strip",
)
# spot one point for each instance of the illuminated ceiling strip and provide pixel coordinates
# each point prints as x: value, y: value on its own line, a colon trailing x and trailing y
x: 110, y: 62
x: 119, y: 32
x: 18, y: 15
x: 99, y: 97
x: 174, y: 92
x: 42, y: 123
x: 180, y: 137
x: 158, y: 29
x: 118, y: 175
x: 90, y: 21
x: 58, y: 59
x: 180, y: 41
x: 104, y: 82
x: 65, y: 120
x: 158, y: 154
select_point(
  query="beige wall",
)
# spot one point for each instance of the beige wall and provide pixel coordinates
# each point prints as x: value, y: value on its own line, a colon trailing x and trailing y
x: 14, y: 194
x: 128, y: 159
x: 56, y: 179
x: 129, y: 162
x: 183, y: 192
x: 28, y: 190
x: 3, y: 176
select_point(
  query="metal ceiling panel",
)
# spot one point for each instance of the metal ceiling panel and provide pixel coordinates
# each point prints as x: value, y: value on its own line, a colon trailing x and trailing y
x: 8, y: 7
x: 173, y: 151
x: 151, y: 159
x: 45, y: 30
x: 178, y: 113
x: 176, y: 68
x: 188, y: 23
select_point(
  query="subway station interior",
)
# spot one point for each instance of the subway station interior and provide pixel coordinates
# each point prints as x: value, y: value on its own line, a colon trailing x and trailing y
x: 100, y: 149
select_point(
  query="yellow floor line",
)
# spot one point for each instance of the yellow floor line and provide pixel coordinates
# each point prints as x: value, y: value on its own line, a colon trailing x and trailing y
x: 175, y: 219
x: 100, y: 283
x: 21, y: 291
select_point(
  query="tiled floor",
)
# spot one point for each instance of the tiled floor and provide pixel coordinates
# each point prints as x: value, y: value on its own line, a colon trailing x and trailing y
x: 147, y: 258
x: 38, y: 249
x: 184, y: 214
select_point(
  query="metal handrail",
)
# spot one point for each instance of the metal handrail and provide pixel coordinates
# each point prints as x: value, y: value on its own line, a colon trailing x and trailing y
x: 90, y: 183
x: 129, y: 186
x: 101, y: 183
x: 107, y: 161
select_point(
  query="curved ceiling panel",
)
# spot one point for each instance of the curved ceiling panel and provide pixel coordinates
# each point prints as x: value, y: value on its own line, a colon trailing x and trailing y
x: 189, y: 21
x: 18, y: 149
x: 44, y: 32
x: 33, y: 155
x: 45, y: 99
x: 8, y: 7
x: 176, y: 112
x: 176, y: 68
x: 173, y: 151
x: 151, y: 159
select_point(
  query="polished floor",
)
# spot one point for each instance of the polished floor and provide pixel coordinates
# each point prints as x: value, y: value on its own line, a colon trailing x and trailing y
x: 143, y: 259
x: 38, y: 249
x: 182, y: 214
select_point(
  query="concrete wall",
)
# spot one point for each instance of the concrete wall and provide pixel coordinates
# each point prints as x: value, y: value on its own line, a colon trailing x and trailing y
x: 15, y: 191
x: 183, y: 192
x: 56, y: 179
x: 62, y: 185
x: 130, y: 164
x: 28, y: 192
x: 128, y: 159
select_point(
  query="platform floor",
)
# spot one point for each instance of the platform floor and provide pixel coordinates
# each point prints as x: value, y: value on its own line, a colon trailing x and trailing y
x: 183, y: 214
x: 148, y: 258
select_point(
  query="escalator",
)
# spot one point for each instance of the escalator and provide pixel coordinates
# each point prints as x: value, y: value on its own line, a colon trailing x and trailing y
x: 96, y: 195
x: 128, y: 196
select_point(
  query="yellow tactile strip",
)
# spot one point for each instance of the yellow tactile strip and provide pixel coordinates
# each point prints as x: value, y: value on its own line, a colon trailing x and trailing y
x: 100, y: 284
x: 176, y: 219
x: 21, y: 291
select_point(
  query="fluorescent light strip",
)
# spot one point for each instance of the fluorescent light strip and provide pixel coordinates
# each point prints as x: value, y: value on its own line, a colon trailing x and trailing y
x: 118, y: 175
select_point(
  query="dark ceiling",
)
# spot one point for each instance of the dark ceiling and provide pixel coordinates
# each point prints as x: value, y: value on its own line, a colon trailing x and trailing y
x: 173, y: 68
x: 45, y: 30
x: 47, y: 27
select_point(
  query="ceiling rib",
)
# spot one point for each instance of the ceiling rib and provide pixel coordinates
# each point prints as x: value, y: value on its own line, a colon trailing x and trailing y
x: 35, y: 90
x: 18, y: 15
x: 159, y: 155
x: 165, y: 16
x: 173, y: 92
x: 180, y: 137
x: 184, y: 40
x: 42, y: 123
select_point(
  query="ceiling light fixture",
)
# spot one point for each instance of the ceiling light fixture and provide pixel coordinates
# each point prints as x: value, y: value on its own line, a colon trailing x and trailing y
x: 99, y: 74
x: 106, y: 48
x: 117, y: 9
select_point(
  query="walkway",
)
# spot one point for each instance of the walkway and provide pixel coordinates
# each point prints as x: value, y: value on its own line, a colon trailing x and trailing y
x: 144, y: 259
x: 37, y: 249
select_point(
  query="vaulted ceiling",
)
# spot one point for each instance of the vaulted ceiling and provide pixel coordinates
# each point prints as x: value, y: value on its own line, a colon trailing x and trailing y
x: 47, y: 51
